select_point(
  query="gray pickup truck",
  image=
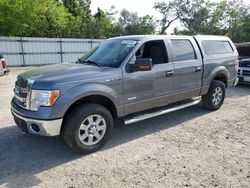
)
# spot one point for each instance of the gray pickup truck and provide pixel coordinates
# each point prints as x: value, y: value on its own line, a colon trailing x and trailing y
x: 131, y: 77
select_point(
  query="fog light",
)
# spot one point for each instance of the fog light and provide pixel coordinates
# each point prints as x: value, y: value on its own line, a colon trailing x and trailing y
x: 35, y: 128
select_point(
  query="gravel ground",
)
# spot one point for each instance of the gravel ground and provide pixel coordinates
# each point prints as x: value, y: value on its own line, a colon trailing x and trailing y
x: 188, y: 148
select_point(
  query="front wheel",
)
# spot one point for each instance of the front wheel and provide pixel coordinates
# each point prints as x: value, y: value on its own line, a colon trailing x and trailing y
x: 88, y: 128
x: 214, y: 99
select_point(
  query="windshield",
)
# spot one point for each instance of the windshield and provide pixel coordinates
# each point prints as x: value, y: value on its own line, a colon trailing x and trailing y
x: 111, y: 53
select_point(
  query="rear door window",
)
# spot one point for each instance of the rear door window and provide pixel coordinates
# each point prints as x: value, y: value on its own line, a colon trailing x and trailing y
x: 183, y: 49
x: 217, y: 47
x: 228, y: 47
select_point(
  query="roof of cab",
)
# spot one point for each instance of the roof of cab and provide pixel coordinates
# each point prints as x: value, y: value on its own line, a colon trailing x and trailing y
x: 150, y: 37
x: 199, y: 37
x: 138, y: 37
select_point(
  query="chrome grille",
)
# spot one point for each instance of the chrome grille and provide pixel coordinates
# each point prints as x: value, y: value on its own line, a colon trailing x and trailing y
x: 246, y: 72
x: 21, y: 93
x: 245, y: 63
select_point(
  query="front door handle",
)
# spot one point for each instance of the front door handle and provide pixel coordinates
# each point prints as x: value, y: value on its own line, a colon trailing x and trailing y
x: 169, y: 73
x: 197, y: 69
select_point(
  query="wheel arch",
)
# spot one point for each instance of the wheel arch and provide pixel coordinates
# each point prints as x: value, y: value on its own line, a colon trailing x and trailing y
x: 221, y: 74
x: 221, y: 77
x: 95, y: 99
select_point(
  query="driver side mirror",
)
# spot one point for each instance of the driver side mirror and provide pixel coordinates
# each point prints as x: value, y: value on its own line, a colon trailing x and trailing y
x: 143, y: 64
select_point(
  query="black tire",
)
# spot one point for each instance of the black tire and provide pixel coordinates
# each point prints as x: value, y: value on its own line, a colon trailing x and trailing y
x: 75, y: 119
x: 208, y: 99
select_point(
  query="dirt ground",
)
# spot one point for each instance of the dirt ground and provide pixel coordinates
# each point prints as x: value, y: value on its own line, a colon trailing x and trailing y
x: 188, y: 148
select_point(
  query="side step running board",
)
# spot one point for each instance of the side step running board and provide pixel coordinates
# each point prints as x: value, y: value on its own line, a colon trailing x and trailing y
x: 144, y: 116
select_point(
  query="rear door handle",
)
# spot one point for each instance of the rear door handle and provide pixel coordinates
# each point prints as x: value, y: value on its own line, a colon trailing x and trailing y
x: 169, y: 73
x: 197, y: 69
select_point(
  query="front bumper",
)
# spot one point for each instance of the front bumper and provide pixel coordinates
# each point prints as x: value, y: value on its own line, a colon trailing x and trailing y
x: 244, y: 79
x: 244, y: 75
x: 38, y: 127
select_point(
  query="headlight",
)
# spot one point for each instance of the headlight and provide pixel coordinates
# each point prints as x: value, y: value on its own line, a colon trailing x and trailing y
x: 43, y: 98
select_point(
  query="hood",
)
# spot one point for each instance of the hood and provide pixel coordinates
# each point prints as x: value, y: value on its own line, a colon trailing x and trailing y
x: 245, y: 62
x: 51, y: 75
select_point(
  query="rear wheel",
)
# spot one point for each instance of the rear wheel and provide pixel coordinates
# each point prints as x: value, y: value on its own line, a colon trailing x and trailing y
x: 88, y: 128
x: 214, y: 99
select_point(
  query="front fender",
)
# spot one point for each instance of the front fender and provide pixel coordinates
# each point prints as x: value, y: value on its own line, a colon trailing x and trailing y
x: 78, y: 92
x: 66, y: 100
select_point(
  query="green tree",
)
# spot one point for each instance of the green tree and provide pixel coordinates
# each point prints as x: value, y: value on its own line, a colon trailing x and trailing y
x: 99, y: 26
x: 112, y: 13
x: 197, y: 17
x: 241, y: 31
x: 73, y: 7
x: 171, y: 11
x: 39, y: 18
x: 229, y: 18
x: 133, y: 24
x: 234, y: 19
x: 85, y: 4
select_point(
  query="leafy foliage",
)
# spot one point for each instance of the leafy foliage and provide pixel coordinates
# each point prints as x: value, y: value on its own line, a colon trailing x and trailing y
x: 171, y: 11
x: 133, y: 24
x: 73, y: 18
x: 98, y: 26
x: 34, y: 18
x: 229, y: 18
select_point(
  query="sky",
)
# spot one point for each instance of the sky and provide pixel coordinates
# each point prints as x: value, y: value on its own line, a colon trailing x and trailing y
x: 142, y: 7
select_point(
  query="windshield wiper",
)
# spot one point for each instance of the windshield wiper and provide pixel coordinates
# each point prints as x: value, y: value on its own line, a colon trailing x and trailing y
x: 88, y: 62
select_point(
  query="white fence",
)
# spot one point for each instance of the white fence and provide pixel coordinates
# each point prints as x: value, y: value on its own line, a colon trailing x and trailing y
x: 26, y: 51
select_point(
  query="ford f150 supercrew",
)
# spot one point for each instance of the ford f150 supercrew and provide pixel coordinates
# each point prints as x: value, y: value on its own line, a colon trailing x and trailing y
x: 131, y: 77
